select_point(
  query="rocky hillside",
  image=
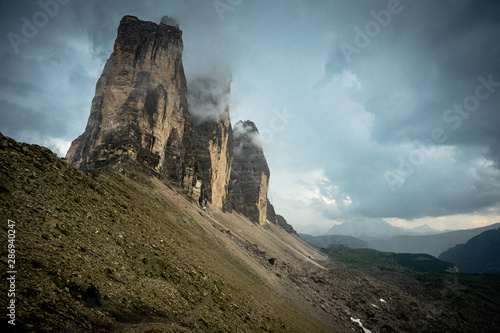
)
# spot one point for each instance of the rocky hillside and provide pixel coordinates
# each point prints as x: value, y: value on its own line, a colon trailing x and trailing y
x: 481, y: 254
x: 120, y: 251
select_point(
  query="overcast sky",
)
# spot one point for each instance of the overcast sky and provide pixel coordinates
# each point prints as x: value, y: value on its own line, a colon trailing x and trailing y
x: 368, y: 109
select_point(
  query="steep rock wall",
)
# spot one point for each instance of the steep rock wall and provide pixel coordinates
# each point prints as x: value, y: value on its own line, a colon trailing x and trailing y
x: 208, y: 100
x: 140, y: 115
x: 250, y: 174
x: 139, y: 112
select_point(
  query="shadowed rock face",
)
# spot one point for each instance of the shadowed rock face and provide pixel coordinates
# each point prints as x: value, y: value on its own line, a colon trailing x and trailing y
x: 279, y: 220
x: 284, y: 224
x: 213, y: 139
x: 250, y: 174
x: 214, y: 154
x: 271, y: 213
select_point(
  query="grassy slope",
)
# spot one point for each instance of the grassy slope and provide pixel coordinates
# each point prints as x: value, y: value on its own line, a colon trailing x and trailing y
x: 388, y: 260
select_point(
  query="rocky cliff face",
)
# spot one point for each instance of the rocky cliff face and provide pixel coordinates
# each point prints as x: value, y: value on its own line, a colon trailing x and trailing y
x: 139, y: 112
x: 280, y: 220
x: 140, y: 115
x: 250, y: 174
x: 208, y: 100
x: 271, y: 213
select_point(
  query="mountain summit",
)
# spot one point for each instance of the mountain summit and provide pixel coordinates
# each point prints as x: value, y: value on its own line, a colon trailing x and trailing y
x: 140, y: 115
x: 250, y: 173
x: 481, y: 254
x: 139, y: 112
x: 370, y: 228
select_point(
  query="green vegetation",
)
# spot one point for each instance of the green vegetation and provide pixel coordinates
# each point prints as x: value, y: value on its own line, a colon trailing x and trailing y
x: 388, y: 261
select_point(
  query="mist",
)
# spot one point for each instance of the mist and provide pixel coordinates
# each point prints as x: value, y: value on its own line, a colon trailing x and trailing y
x: 208, y: 96
x: 248, y: 129
x: 167, y: 20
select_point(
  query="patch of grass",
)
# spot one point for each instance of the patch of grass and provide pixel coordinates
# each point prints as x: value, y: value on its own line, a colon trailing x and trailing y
x: 490, y: 281
x: 421, y: 262
x: 388, y: 261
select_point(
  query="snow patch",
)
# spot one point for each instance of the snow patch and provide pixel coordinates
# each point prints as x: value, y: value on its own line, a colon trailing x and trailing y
x: 358, y: 321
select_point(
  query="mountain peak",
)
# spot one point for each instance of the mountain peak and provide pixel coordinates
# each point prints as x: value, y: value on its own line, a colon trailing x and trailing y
x: 245, y: 127
x: 250, y: 173
x: 481, y: 254
x: 141, y: 115
x: 142, y: 85
x: 365, y: 228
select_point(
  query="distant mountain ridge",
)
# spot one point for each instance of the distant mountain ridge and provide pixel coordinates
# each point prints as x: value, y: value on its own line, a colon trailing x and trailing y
x: 430, y: 244
x: 369, y: 229
x: 382, y: 236
x: 481, y: 254
x: 335, y: 241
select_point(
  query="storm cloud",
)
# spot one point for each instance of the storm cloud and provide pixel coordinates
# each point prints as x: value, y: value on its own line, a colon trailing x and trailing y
x: 420, y: 77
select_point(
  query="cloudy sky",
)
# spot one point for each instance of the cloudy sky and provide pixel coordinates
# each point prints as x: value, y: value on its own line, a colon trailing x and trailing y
x: 367, y: 109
